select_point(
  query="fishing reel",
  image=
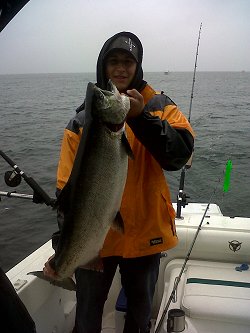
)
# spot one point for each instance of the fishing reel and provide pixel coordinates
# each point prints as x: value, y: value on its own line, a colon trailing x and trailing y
x: 181, y: 202
x: 12, y: 178
x: 181, y: 196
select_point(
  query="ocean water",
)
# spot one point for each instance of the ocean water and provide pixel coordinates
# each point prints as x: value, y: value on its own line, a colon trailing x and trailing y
x: 34, y: 109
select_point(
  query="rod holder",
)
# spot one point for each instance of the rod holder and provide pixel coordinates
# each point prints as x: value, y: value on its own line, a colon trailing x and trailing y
x: 176, y: 320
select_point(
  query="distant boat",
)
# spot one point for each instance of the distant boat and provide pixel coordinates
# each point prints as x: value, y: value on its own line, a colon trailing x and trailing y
x: 166, y: 73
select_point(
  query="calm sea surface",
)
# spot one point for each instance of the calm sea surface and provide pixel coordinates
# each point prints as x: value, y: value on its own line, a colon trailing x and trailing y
x: 34, y: 109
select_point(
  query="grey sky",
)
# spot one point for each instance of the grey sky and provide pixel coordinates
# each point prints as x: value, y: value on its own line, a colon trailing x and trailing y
x: 50, y: 36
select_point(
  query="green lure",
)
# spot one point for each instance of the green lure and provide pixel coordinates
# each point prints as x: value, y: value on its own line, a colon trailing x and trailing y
x: 227, y: 175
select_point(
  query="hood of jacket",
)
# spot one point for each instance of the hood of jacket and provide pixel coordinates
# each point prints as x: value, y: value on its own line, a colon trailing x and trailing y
x: 138, y: 82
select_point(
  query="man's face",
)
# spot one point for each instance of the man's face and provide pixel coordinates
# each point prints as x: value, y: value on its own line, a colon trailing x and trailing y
x: 120, y: 69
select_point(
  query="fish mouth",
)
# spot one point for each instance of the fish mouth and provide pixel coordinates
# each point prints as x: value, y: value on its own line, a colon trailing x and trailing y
x: 111, y: 86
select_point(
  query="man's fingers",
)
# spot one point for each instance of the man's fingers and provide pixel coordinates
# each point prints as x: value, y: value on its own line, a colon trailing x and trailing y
x: 134, y: 93
x: 48, y: 270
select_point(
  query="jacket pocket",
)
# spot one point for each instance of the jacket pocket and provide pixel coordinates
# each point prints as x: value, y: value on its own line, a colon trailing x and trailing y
x: 170, y: 210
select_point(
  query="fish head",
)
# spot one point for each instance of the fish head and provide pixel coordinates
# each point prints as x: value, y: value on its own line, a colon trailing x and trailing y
x: 109, y: 105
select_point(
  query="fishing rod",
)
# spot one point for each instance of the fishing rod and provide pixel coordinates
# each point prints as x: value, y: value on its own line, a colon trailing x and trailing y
x: 16, y: 195
x: 182, y: 197
x: 195, y: 67
x: 227, y: 173
x: 13, y: 178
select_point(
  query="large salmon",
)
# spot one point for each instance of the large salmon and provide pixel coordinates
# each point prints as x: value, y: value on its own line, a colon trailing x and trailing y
x: 92, y: 196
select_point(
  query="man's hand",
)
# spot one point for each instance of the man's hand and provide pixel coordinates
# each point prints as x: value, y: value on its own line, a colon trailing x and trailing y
x: 48, y: 270
x: 136, y: 103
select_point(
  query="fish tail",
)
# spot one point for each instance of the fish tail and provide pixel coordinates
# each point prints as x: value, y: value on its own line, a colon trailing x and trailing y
x: 66, y: 283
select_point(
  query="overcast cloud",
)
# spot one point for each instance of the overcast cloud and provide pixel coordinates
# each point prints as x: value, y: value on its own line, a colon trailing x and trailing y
x: 50, y: 36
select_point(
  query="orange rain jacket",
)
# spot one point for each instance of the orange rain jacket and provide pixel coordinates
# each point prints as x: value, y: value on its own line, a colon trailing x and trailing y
x: 146, y: 208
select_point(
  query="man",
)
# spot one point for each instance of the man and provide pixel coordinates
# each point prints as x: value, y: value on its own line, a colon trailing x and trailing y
x: 14, y: 317
x: 161, y: 138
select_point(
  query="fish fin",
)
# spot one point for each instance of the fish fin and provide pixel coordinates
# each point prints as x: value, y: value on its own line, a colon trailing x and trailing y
x: 66, y: 283
x: 127, y: 146
x: 95, y: 264
x: 118, y: 223
x: 62, y: 200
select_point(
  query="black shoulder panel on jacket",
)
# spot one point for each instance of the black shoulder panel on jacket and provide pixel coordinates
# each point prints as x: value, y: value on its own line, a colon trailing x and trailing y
x: 158, y: 102
x: 76, y: 122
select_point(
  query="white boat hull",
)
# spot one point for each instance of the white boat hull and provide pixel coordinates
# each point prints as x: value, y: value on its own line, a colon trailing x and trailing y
x: 222, y: 244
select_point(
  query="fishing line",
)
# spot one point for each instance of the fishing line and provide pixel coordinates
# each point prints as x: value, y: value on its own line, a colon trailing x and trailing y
x: 226, y: 173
